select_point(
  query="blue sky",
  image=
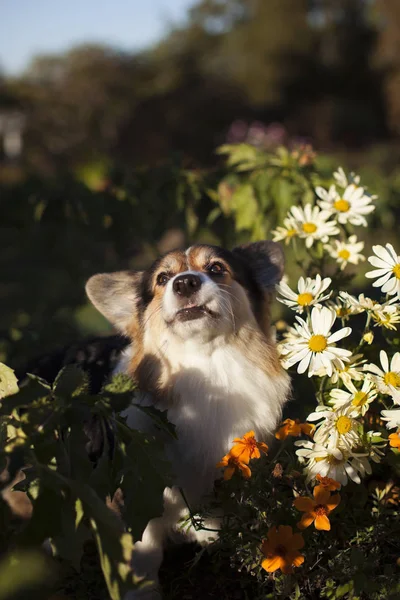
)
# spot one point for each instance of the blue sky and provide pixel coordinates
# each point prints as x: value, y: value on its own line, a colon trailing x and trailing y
x: 29, y: 27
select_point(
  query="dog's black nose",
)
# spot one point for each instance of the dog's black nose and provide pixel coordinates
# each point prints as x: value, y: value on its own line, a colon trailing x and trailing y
x: 186, y: 284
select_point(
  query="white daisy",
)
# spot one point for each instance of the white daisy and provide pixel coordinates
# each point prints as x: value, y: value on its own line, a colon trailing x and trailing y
x: 387, y: 379
x: 309, y: 293
x: 346, y: 252
x: 342, y: 309
x: 313, y: 224
x: 357, y: 400
x: 353, y: 370
x: 392, y: 417
x: 342, y: 180
x: 360, y: 304
x: 387, y: 316
x: 348, y: 207
x: 287, y: 232
x: 315, y: 347
x: 339, y: 428
x: 338, y: 464
x: 388, y: 269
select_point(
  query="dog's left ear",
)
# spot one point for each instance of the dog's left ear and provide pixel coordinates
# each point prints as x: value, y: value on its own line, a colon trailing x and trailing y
x: 116, y: 296
x: 265, y: 259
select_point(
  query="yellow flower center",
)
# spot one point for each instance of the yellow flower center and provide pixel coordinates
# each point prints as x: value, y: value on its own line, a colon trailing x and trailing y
x: 342, y: 205
x: 392, y: 378
x: 383, y: 319
x: 360, y: 398
x: 345, y: 254
x: 291, y: 232
x: 396, y: 271
x: 305, y: 299
x: 309, y: 227
x: 317, y: 343
x: 343, y: 425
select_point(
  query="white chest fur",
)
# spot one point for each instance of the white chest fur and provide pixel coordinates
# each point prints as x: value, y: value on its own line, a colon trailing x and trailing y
x: 217, y: 395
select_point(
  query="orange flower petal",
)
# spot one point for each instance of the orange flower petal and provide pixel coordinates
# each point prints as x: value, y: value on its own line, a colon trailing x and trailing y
x: 321, y: 495
x: 304, y: 504
x: 241, y: 452
x: 328, y: 483
x: 333, y: 501
x: 297, y: 541
x: 262, y: 446
x: 273, y: 537
x: 295, y: 430
x: 282, y: 433
x: 322, y: 523
x: 298, y: 560
x: 245, y: 470
x: 272, y: 563
x: 394, y: 440
x: 306, y: 520
x: 228, y: 473
x: 285, y: 535
x: 308, y: 429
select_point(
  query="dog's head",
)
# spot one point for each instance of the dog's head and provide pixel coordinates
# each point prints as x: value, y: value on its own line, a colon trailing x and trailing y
x: 203, y: 292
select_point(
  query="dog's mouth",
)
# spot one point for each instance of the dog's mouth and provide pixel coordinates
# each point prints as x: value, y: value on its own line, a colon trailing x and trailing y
x: 194, y: 311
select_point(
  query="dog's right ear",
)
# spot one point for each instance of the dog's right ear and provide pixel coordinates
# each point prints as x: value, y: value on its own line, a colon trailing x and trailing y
x: 116, y: 296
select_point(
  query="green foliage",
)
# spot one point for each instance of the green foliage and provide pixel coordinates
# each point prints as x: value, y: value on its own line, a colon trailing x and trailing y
x: 355, y: 559
x: 43, y: 428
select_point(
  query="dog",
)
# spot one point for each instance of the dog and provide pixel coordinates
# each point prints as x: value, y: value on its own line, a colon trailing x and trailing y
x: 202, y: 348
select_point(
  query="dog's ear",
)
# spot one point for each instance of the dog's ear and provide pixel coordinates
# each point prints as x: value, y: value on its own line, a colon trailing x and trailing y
x: 266, y: 261
x: 116, y: 296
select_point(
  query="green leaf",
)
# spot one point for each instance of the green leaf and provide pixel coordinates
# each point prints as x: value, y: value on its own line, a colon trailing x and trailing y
x: 120, y: 384
x: 241, y: 156
x: 160, y: 419
x: 118, y: 393
x: 8, y: 381
x: 68, y: 544
x: 245, y: 206
x: 114, y: 546
x: 145, y: 475
x: 70, y: 381
x: 33, y: 390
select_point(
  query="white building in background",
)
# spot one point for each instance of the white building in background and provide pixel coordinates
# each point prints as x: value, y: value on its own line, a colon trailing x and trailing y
x: 12, y: 125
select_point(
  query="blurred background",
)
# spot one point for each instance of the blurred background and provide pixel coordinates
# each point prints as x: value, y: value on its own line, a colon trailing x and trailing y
x: 111, y: 113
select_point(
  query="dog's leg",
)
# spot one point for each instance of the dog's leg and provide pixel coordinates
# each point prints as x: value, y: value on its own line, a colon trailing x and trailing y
x: 148, y: 553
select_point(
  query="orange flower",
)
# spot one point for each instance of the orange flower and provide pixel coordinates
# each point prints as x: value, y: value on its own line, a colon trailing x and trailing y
x: 317, y: 509
x: 328, y: 484
x: 394, y: 440
x: 281, y: 549
x: 232, y: 463
x: 247, y: 447
x: 294, y: 428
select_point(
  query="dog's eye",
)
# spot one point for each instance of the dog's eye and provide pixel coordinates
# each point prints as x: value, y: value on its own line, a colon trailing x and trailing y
x: 217, y: 268
x: 162, y: 278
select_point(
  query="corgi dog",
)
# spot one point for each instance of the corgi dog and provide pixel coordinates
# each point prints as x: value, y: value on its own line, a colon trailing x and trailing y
x: 201, y: 347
